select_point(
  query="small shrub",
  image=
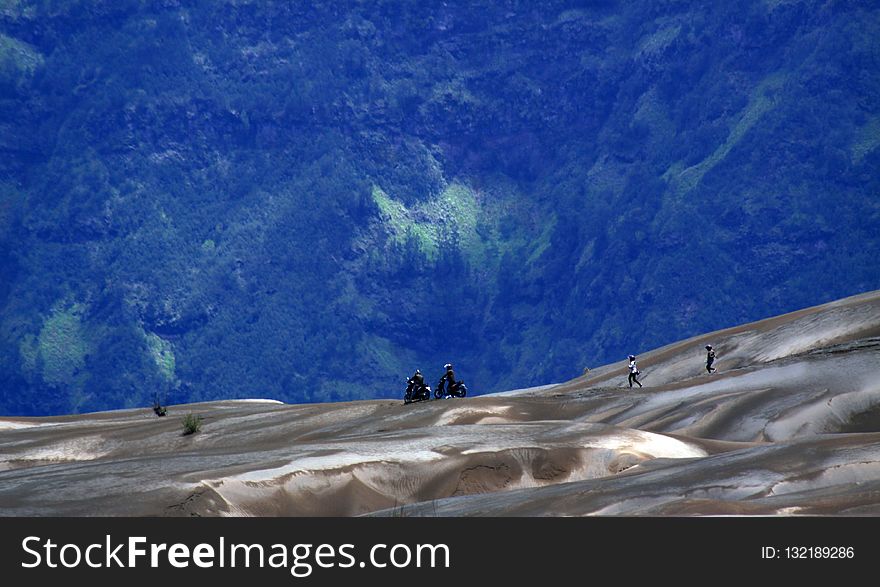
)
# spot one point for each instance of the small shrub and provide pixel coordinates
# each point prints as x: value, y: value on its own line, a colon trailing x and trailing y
x: 191, y: 424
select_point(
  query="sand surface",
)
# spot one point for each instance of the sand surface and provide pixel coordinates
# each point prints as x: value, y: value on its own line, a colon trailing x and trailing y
x: 789, y: 425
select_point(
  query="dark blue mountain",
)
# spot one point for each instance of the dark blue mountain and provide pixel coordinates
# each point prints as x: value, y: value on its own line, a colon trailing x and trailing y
x: 307, y: 201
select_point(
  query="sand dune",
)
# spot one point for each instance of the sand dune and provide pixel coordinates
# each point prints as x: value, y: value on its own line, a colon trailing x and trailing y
x: 790, y: 425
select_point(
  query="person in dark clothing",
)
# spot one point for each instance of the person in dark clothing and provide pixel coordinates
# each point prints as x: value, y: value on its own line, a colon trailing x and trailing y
x: 415, y: 383
x: 710, y: 358
x: 633, y: 371
x: 447, y: 379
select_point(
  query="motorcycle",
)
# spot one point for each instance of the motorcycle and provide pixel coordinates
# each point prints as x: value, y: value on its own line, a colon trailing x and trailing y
x: 412, y: 394
x: 457, y: 390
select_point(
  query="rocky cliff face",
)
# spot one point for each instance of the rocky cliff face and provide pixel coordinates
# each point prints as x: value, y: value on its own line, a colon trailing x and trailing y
x: 309, y: 202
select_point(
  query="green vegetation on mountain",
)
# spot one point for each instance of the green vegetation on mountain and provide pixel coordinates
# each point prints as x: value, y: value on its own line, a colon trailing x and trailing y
x: 307, y: 201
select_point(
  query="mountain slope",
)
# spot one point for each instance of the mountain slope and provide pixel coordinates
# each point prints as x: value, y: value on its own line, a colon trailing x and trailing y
x: 308, y: 201
x: 790, y: 424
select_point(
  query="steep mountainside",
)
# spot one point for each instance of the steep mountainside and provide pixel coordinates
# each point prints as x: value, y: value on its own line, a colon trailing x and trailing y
x: 307, y: 201
x: 788, y: 425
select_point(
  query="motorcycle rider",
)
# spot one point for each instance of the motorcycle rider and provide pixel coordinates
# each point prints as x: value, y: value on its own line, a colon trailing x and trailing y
x: 415, y: 383
x: 448, y: 379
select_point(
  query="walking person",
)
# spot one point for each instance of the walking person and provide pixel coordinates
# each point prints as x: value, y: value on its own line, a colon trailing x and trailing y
x: 710, y: 358
x: 633, y: 371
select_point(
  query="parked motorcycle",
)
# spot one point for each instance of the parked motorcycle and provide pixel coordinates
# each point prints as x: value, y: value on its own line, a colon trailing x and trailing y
x: 457, y: 390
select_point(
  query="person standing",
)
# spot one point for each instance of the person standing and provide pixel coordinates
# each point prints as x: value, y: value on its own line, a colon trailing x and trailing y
x: 633, y: 371
x: 710, y: 359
